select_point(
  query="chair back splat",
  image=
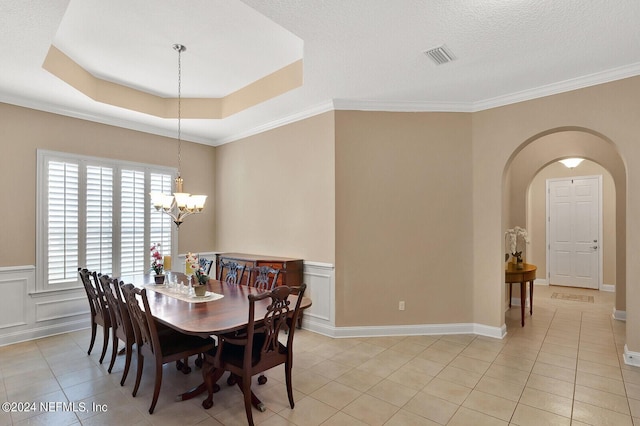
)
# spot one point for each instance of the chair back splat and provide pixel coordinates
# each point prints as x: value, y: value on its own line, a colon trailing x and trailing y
x: 263, y: 277
x: 257, y: 348
x: 231, y: 272
x: 205, y: 264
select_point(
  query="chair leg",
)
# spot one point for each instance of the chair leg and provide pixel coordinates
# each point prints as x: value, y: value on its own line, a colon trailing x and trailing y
x: 183, y: 365
x: 94, y: 328
x: 287, y: 373
x: 105, y: 343
x: 138, y: 373
x: 127, y: 364
x: 114, y: 350
x: 156, y: 389
x: 246, y: 391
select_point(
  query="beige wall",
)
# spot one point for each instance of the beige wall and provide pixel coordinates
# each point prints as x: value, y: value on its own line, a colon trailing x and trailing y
x: 609, y: 110
x: 276, y: 192
x: 409, y: 206
x: 23, y: 131
x: 403, y: 218
x: 537, y: 253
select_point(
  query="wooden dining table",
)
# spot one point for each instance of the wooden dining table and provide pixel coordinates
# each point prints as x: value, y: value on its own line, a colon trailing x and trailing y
x: 203, y: 318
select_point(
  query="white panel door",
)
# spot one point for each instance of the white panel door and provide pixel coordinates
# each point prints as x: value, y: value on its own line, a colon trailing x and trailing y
x: 574, y: 229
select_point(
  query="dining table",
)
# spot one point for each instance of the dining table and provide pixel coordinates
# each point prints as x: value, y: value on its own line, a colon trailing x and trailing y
x: 224, y: 309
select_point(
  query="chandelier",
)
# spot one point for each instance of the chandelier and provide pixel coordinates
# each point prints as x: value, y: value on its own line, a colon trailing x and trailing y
x: 180, y: 204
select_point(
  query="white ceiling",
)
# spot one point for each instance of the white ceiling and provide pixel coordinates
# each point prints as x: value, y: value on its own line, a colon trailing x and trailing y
x: 358, y: 54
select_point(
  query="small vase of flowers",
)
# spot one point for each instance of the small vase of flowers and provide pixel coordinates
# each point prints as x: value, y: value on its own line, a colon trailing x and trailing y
x: 157, y: 263
x: 516, y: 240
x: 200, y: 286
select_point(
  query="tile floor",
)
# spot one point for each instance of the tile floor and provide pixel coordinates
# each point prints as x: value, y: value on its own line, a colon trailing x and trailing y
x: 563, y: 367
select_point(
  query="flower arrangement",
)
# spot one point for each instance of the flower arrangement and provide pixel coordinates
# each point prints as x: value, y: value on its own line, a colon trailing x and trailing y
x: 194, y: 263
x: 512, y: 237
x: 157, y: 263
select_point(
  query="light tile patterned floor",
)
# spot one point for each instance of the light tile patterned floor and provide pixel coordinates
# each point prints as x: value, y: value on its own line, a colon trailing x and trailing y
x: 565, y: 365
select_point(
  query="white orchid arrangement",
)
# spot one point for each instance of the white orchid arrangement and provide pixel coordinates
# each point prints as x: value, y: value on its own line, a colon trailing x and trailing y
x: 194, y: 262
x: 512, y: 236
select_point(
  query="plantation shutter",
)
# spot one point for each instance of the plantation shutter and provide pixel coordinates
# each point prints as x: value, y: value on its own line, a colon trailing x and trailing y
x: 160, y: 223
x: 133, y: 249
x: 99, y: 219
x: 62, y: 223
x: 95, y: 213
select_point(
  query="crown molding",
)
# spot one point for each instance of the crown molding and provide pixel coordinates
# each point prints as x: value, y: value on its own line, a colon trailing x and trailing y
x: 344, y: 105
x: 102, y: 119
x: 307, y: 113
x: 560, y: 87
x: 401, y: 106
x: 412, y: 106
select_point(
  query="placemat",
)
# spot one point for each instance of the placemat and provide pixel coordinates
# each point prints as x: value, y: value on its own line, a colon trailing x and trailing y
x: 208, y: 297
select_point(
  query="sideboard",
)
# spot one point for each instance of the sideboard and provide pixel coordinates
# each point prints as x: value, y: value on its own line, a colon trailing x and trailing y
x: 290, y: 269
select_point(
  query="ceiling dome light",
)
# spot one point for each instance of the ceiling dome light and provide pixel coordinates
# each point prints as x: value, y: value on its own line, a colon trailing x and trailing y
x: 572, y: 162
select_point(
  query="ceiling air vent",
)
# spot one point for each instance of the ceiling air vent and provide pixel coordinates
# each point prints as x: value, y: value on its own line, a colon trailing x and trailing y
x: 440, y: 55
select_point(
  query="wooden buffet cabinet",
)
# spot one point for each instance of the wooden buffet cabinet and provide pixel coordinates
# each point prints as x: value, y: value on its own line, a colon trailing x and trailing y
x: 290, y: 269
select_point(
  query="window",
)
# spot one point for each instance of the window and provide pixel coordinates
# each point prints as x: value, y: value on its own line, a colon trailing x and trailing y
x: 96, y: 213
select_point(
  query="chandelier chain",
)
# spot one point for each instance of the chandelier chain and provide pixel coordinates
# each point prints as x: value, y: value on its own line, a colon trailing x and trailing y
x: 179, y: 109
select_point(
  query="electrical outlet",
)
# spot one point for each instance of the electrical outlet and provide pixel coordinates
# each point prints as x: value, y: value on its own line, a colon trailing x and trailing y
x: 401, y: 305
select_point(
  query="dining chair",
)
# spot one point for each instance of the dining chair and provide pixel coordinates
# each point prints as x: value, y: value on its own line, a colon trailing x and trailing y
x: 98, y: 308
x: 263, y: 277
x: 164, y: 345
x: 122, y: 328
x: 231, y: 272
x: 256, y: 348
x: 205, y: 264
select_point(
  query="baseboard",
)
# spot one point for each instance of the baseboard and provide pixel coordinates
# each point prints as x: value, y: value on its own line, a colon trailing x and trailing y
x: 608, y: 287
x: 404, y: 330
x: 541, y: 281
x: 631, y: 358
x: 619, y: 315
x: 45, y: 331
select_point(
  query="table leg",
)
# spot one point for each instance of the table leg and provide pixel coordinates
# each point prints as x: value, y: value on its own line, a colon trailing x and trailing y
x: 523, y: 296
x: 192, y: 393
x: 210, y: 374
x: 530, y: 297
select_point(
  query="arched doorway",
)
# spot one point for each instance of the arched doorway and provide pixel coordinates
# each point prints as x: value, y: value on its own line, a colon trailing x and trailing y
x: 545, y: 148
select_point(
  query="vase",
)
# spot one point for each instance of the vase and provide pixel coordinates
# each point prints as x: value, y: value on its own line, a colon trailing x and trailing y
x: 519, y: 263
x: 159, y: 278
x: 200, y: 290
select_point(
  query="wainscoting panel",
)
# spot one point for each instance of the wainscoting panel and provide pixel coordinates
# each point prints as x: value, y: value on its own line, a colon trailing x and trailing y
x: 14, y: 288
x: 319, y: 278
x: 62, y: 308
x: 27, y: 315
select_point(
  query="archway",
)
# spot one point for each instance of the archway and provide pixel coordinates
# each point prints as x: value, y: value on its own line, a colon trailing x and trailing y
x: 549, y: 146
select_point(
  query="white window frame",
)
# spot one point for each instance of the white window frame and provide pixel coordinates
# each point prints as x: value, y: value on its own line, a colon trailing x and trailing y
x: 43, y: 157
